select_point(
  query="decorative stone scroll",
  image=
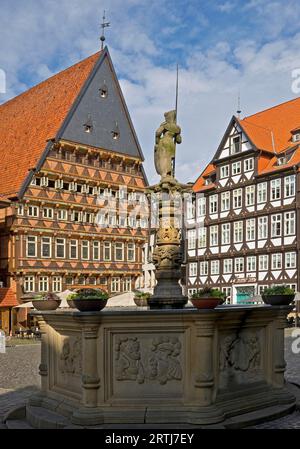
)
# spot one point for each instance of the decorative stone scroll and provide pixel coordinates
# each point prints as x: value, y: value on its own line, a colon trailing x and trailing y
x: 71, y: 356
x: 141, y: 362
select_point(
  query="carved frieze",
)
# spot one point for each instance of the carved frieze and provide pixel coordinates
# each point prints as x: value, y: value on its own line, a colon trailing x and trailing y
x: 240, y: 353
x: 143, y: 360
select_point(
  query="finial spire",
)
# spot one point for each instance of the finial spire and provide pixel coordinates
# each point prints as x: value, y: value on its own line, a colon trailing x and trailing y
x: 176, y: 103
x: 239, y: 105
x: 103, y: 26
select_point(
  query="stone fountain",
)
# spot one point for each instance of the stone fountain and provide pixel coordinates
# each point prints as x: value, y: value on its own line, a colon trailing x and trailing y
x: 170, y: 365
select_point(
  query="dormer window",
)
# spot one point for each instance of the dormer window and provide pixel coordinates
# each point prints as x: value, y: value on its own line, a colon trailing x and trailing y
x: 88, y: 125
x: 103, y: 91
x: 296, y: 137
x: 207, y: 182
x: 281, y: 161
x: 116, y: 132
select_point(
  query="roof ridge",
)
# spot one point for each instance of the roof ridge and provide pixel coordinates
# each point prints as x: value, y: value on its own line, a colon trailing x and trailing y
x: 47, y: 79
x: 271, y: 107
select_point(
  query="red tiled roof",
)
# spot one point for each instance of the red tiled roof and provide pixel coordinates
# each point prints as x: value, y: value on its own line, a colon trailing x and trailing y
x: 7, y: 298
x: 279, y: 120
x: 30, y: 119
x: 269, y: 130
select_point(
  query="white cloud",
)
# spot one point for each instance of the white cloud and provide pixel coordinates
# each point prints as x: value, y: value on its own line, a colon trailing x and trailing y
x: 43, y: 37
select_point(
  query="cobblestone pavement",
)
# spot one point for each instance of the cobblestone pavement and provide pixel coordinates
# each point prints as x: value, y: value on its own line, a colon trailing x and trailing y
x: 19, y: 378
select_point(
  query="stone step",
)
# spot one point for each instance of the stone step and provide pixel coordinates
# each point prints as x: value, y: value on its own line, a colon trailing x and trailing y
x: 18, y: 424
x: 41, y: 418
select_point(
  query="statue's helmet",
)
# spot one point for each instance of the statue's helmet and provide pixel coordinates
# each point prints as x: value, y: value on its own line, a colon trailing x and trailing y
x: 170, y: 116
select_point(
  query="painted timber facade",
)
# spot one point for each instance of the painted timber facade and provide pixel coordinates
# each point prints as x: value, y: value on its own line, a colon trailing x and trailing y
x: 243, y: 225
x: 72, y: 171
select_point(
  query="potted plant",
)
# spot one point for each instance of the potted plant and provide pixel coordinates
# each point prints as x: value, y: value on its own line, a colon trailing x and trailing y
x: 279, y: 295
x: 88, y: 299
x: 48, y: 301
x: 141, y: 298
x: 207, y: 298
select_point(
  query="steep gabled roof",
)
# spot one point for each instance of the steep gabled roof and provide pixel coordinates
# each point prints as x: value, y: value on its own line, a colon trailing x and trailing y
x: 7, y: 298
x: 279, y: 120
x: 270, y: 131
x: 29, y: 120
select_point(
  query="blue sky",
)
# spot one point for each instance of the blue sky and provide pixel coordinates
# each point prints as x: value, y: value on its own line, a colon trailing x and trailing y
x: 222, y: 47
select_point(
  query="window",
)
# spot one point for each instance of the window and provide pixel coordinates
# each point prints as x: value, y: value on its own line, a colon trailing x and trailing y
x: 193, y: 269
x: 190, y: 209
x: 250, y: 195
x: 227, y: 266
x: 261, y: 192
x: 239, y: 265
x: 85, y: 250
x: 276, y: 225
x: 289, y: 186
x: 62, y: 214
x: 276, y: 261
x: 31, y: 246
x: 213, y: 204
x: 227, y: 291
x: 289, y: 223
x: 251, y: 263
x: 236, y: 144
x: 48, y: 212
x: 33, y: 211
x: 60, y: 248
x: 262, y: 227
x: 56, y: 284
x: 225, y: 233
x: 263, y: 262
x: 191, y: 235
x: 250, y: 229
x: 201, y: 207
x: 225, y: 201
x: 46, y: 247
x: 224, y: 171
x: 20, y: 209
x: 201, y: 237
x: 127, y: 284
x: 249, y: 164
x: 119, y: 251
x: 290, y: 260
x: 73, y: 249
x: 215, y: 267
x: 238, y: 231
x: 29, y: 284
x: 214, y: 235
x: 236, y: 168
x: 43, y: 284
x: 275, y: 189
x: 204, y: 268
x: 107, y: 251
x: 261, y: 289
x: 131, y: 252
x: 96, y: 250
x: 237, y: 198
x: 115, y: 285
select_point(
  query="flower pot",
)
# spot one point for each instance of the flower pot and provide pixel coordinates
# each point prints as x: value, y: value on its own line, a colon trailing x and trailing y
x: 46, y: 304
x: 140, y: 302
x: 278, y: 300
x: 89, y: 305
x: 206, y: 302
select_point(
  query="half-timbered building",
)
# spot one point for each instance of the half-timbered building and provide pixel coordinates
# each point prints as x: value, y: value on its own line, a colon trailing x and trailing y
x: 243, y: 228
x: 71, y: 169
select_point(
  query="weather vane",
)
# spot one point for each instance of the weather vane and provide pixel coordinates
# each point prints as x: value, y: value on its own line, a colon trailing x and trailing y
x: 103, y: 26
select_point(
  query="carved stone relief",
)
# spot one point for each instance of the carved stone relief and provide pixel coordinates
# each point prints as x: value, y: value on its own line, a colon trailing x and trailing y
x: 140, y: 361
x: 71, y: 356
x: 240, y: 359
